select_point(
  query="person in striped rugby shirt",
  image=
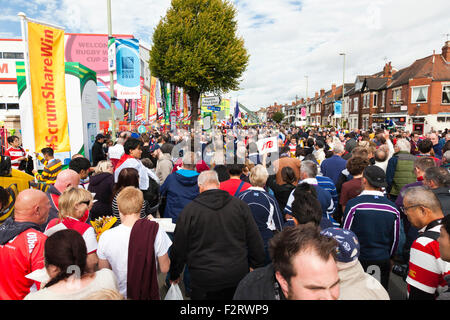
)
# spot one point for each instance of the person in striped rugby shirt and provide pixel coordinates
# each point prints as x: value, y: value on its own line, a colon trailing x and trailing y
x: 52, y: 166
x: 427, y: 269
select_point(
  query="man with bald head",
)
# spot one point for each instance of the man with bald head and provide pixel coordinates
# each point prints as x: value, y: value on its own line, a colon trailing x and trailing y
x: 22, y: 244
x: 65, y: 179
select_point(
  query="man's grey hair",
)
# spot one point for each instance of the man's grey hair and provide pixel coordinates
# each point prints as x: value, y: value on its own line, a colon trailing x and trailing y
x: 338, y: 147
x: 403, y: 145
x: 438, y: 175
x: 309, y: 167
x: 446, y: 156
x: 381, y: 155
x: 208, y: 177
x: 422, y: 195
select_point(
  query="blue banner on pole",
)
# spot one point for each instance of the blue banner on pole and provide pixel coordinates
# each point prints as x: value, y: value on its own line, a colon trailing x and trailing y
x: 128, y: 66
x: 338, y: 109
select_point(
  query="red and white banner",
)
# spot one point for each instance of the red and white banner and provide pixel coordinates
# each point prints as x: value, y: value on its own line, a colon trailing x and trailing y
x: 267, y: 145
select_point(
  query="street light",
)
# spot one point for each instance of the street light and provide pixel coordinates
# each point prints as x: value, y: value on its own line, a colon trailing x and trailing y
x: 306, y: 87
x: 343, y: 83
x: 111, y: 76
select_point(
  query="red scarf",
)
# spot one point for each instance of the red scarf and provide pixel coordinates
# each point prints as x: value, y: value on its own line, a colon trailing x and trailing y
x: 122, y: 159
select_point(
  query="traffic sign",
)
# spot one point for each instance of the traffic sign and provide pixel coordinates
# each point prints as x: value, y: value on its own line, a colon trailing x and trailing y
x: 142, y: 129
x: 210, y: 101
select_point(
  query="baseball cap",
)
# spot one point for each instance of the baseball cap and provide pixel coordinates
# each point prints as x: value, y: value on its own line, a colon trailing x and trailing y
x: 153, y: 147
x: 348, y: 245
x: 376, y: 176
x: 99, y: 136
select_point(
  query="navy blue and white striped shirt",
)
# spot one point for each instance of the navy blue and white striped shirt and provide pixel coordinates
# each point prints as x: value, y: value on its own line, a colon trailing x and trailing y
x: 376, y: 222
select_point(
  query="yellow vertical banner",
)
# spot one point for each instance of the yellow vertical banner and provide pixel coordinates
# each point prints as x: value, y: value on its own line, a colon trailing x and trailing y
x: 48, y: 90
x: 152, y: 108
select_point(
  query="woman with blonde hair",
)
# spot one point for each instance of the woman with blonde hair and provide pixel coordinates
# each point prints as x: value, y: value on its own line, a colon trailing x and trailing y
x: 72, y: 205
x: 101, y: 184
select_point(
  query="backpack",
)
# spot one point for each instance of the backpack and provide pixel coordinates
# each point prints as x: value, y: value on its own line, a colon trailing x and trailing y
x: 8, y: 210
x: 5, y: 166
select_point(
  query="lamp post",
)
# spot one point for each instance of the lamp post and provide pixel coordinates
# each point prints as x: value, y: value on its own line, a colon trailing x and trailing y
x: 111, y: 76
x: 343, y: 84
x: 306, y: 87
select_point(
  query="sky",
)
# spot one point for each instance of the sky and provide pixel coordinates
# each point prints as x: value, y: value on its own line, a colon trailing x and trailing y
x: 294, y: 45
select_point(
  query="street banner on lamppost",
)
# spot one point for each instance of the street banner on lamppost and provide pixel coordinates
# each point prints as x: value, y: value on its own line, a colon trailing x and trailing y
x: 128, y: 66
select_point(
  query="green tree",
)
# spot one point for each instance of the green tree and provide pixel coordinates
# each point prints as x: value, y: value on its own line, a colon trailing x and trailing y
x: 278, y: 117
x: 196, y: 47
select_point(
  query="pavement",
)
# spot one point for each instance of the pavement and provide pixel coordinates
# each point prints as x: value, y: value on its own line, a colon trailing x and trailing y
x: 397, y: 287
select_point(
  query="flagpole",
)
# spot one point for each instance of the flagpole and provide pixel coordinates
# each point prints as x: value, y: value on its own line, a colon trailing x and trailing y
x: 26, y: 114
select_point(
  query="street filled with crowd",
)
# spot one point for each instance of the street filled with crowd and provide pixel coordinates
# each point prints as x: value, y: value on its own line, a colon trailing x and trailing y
x: 328, y: 214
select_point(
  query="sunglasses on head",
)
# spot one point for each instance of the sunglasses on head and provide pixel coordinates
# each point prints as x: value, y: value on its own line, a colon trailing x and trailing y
x: 87, y: 202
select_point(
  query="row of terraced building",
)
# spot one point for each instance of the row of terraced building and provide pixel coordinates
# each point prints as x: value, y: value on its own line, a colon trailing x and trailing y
x: 414, y: 98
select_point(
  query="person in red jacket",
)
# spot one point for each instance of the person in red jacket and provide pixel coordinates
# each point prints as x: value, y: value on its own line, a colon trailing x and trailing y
x: 234, y: 185
x: 22, y: 244
x: 15, y: 152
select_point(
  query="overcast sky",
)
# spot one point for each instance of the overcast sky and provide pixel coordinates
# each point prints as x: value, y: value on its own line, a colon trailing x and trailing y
x: 287, y: 39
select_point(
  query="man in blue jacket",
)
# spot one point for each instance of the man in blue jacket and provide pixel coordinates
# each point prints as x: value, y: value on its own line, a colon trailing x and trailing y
x: 180, y: 188
x: 376, y: 222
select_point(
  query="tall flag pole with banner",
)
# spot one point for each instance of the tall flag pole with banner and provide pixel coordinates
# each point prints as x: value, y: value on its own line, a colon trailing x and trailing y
x: 44, y: 120
x: 237, y: 116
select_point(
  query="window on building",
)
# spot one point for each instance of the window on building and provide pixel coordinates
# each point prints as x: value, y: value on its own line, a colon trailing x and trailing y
x: 397, y: 94
x: 12, y: 55
x: 12, y: 106
x: 1, y: 55
x: 440, y: 119
x: 446, y: 94
x: 383, y: 98
x: 355, y: 104
x: 2, y: 105
x: 419, y: 94
x: 375, y: 100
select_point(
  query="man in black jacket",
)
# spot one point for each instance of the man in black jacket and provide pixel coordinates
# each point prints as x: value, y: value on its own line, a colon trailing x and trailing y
x: 97, y: 150
x: 217, y: 238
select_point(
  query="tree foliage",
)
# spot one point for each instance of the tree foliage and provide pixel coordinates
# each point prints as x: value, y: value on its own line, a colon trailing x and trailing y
x: 278, y: 117
x: 196, y: 47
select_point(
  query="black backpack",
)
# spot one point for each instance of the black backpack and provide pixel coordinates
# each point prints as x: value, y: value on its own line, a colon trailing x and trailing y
x: 5, y: 166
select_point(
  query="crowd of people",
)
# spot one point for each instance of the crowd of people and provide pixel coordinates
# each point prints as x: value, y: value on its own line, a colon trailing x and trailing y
x: 330, y: 215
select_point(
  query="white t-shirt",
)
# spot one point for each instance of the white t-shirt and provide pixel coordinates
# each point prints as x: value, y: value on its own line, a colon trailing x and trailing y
x: 113, y: 246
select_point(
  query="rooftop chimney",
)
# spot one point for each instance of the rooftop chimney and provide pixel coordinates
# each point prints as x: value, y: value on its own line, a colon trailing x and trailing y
x: 302, y: 100
x: 316, y: 95
x: 387, y: 70
x: 446, y: 51
x: 333, y: 89
x: 322, y: 92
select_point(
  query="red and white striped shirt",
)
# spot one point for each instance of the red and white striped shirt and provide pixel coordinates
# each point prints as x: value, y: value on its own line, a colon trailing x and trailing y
x: 14, y: 154
x: 426, y: 268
